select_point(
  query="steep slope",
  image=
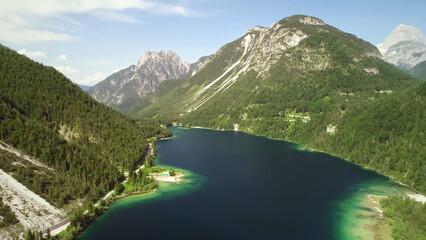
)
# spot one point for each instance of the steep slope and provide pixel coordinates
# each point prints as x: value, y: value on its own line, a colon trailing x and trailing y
x: 298, y: 80
x: 167, y: 86
x: 386, y: 134
x: 419, y: 71
x: 127, y: 87
x: 405, y: 47
x: 84, y: 145
x: 164, y: 88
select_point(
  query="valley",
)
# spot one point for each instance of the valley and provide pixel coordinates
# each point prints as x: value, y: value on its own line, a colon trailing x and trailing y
x: 309, y: 127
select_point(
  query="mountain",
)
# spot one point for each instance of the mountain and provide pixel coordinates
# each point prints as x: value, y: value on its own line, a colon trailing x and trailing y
x: 168, y: 85
x: 80, y: 146
x: 405, y: 47
x: 84, y: 87
x: 419, y: 71
x: 197, y: 66
x: 305, y: 81
x: 127, y: 87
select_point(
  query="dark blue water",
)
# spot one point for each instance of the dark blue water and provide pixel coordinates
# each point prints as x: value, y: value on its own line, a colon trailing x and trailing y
x: 241, y: 187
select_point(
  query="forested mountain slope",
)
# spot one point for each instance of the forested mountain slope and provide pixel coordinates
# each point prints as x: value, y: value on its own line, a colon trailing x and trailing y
x: 305, y: 81
x: 46, y: 116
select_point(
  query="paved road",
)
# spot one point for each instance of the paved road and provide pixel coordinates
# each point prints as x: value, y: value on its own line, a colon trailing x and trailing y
x: 58, y: 225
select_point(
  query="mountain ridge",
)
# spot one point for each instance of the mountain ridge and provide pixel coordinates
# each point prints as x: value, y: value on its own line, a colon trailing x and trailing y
x: 268, y: 47
x: 128, y: 86
x: 46, y: 116
x: 304, y: 85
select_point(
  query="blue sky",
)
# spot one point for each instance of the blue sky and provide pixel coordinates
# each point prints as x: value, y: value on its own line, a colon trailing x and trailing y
x: 90, y: 39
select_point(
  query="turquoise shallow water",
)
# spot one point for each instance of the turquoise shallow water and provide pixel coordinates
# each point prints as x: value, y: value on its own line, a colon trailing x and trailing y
x: 240, y: 186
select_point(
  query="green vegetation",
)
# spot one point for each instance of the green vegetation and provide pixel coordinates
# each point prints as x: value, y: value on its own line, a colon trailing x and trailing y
x: 329, y: 93
x: 140, y: 182
x: 164, y: 87
x: 36, y: 178
x: 118, y: 189
x: 34, y: 235
x: 406, y: 216
x: 386, y: 134
x: 82, y: 217
x: 7, y: 217
x: 331, y: 80
x: 46, y: 116
x: 137, y: 183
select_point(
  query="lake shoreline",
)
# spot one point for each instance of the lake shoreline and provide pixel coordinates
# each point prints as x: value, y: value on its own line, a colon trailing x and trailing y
x: 416, y: 195
x: 116, y: 198
x: 376, y: 226
x: 359, y: 207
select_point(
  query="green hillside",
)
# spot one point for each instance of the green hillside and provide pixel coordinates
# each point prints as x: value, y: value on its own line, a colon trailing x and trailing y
x: 46, y: 116
x: 329, y: 92
x: 164, y: 88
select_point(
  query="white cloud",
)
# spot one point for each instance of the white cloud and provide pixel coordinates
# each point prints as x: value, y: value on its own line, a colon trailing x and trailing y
x: 24, y: 35
x: 91, y: 80
x: 66, y: 69
x: 115, y: 17
x: 20, y: 19
x: 32, y: 55
x: 55, y: 7
x: 63, y: 57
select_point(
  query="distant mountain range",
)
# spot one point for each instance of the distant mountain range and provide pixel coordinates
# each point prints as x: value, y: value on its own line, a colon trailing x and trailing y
x: 299, y: 80
x: 129, y: 86
x: 405, y: 48
x: 84, y: 87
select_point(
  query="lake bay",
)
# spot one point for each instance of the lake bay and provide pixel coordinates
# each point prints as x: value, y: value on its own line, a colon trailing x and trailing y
x: 240, y: 186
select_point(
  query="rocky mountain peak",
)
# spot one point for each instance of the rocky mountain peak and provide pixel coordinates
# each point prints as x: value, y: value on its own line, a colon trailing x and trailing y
x: 162, y: 57
x: 304, y: 19
x: 401, y: 33
x: 404, y: 47
x: 308, y: 20
x: 127, y: 87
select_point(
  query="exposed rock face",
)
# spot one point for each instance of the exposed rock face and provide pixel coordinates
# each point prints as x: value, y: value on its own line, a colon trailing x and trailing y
x: 258, y: 50
x: 266, y: 45
x: 405, y: 47
x: 127, y: 87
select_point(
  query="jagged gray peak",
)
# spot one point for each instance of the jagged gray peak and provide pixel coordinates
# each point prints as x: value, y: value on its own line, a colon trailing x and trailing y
x: 405, y: 47
x: 128, y: 86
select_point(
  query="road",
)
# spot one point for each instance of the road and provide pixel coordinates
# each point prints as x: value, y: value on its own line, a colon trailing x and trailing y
x: 108, y: 195
x: 58, y: 225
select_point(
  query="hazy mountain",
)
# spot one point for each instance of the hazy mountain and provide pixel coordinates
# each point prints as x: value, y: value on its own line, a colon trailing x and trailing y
x: 127, y: 87
x: 419, y: 71
x: 303, y: 80
x: 197, y: 66
x: 405, y: 47
x: 84, y: 87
